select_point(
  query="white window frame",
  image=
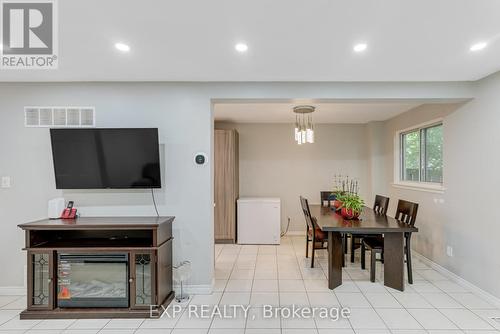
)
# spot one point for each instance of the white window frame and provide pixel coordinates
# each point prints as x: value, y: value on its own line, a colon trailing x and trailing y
x: 398, y: 159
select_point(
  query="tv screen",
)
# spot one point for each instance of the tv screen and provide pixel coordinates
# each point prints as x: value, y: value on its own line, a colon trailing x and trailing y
x: 106, y: 158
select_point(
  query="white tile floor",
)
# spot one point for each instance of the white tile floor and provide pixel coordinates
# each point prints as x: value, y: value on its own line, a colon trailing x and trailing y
x: 281, y: 276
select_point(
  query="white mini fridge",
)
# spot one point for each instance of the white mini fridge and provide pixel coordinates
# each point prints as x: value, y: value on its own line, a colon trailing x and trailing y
x: 259, y: 221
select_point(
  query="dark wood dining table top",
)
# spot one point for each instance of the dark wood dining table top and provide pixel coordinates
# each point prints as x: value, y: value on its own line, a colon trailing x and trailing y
x: 369, y: 222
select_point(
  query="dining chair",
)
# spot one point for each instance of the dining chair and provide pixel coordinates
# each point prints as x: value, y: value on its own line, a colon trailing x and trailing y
x: 406, y: 212
x: 314, y: 234
x: 380, y: 206
x: 308, y: 225
x: 325, y: 198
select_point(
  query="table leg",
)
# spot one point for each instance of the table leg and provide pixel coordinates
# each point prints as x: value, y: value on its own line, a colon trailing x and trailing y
x: 394, y: 261
x: 335, y: 254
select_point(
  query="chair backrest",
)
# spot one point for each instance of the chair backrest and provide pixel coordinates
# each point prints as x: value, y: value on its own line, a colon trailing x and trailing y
x: 381, y: 204
x: 307, y: 213
x: 325, y: 198
x: 406, y: 212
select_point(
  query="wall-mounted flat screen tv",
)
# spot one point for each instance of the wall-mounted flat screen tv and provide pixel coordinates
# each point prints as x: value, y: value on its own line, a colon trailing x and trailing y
x: 106, y: 158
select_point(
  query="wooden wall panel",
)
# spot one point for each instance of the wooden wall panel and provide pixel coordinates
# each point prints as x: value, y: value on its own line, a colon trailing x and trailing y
x: 226, y: 184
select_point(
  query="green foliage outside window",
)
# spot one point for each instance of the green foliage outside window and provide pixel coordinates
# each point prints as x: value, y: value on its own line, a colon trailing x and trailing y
x: 422, y: 155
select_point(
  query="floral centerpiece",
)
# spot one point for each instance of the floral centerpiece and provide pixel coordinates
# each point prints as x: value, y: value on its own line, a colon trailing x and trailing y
x: 347, y: 199
x: 352, y: 206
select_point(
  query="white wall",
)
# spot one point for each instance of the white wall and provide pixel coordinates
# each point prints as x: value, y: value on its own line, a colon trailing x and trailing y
x: 465, y: 215
x: 273, y: 165
x: 473, y: 180
x: 182, y: 112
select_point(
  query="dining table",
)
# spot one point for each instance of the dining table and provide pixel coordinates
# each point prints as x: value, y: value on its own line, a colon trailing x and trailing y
x: 369, y: 222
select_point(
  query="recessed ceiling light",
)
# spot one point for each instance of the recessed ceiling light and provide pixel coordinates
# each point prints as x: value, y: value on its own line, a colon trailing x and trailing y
x: 241, y: 47
x: 478, y: 46
x: 122, y: 47
x: 360, y: 47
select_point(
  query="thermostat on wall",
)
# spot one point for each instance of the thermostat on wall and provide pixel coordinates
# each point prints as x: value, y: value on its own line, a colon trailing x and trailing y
x: 200, y: 158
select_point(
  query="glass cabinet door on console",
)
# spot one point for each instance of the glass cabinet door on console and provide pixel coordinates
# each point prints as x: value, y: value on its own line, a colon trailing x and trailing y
x: 41, y: 280
x: 142, y: 283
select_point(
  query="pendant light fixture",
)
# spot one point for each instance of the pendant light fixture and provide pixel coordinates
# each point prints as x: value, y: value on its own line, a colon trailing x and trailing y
x: 304, y: 129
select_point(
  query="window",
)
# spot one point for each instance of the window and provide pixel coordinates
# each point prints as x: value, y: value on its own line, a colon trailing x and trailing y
x: 422, y: 154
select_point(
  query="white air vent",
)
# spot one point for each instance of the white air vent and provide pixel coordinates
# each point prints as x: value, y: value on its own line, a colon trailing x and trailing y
x: 71, y: 117
x: 31, y: 116
x: 45, y: 116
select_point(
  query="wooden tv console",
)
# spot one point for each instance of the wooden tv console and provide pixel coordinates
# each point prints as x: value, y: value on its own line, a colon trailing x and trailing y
x: 146, y: 243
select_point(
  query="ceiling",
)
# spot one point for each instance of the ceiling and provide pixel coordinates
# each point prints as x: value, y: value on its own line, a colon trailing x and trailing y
x: 288, y: 40
x: 332, y: 112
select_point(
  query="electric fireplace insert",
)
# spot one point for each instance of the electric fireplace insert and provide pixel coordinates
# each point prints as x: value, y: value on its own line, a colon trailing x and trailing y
x: 92, y: 280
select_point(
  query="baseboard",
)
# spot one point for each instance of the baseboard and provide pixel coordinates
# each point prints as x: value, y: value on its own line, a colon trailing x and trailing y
x: 194, y: 289
x: 303, y: 233
x: 12, y: 290
x: 459, y: 280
